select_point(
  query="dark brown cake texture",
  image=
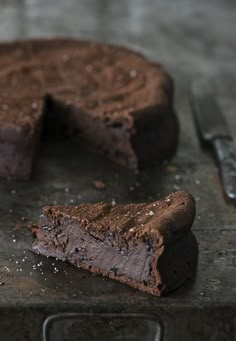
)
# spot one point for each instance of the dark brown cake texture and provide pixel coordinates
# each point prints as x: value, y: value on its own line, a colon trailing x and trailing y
x: 111, y: 99
x: 149, y: 246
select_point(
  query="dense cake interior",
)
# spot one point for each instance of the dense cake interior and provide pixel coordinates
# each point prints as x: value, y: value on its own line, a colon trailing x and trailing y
x: 20, y: 127
x: 102, y: 253
x: 149, y: 246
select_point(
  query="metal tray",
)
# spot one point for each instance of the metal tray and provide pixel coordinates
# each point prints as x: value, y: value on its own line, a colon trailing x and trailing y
x: 33, y: 287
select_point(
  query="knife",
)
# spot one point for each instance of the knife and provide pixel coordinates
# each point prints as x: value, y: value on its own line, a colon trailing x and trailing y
x: 213, y: 131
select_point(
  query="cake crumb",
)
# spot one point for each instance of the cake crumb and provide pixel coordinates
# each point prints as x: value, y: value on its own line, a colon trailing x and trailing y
x: 34, y: 105
x: 133, y: 73
x: 65, y: 58
x: 171, y: 168
x: 99, y: 184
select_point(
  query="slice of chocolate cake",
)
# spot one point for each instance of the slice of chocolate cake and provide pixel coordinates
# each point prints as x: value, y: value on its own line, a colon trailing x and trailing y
x: 113, y: 100
x: 148, y: 246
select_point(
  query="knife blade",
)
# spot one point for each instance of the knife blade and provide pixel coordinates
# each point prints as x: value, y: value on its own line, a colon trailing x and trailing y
x: 213, y: 130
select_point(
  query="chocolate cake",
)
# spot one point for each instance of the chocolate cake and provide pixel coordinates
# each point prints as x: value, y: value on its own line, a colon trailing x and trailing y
x: 113, y: 100
x: 20, y: 124
x: 148, y: 246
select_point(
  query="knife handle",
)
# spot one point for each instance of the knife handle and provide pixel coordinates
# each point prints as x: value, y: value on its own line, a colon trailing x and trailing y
x: 224, y: 149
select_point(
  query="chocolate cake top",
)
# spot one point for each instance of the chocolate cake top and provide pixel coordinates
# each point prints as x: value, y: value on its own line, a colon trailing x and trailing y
x: 20, y: 115
x: 101, y: 79
x: 165, y: 219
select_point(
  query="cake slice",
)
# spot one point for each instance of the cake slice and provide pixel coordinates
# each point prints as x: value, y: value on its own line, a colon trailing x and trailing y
x: 111, y: 99
x: 148, y: 246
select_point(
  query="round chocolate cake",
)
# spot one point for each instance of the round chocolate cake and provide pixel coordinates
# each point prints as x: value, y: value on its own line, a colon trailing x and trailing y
x: 112, y: 100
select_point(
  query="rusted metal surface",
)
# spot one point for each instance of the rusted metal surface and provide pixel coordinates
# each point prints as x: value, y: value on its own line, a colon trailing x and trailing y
x: 33, y: 287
